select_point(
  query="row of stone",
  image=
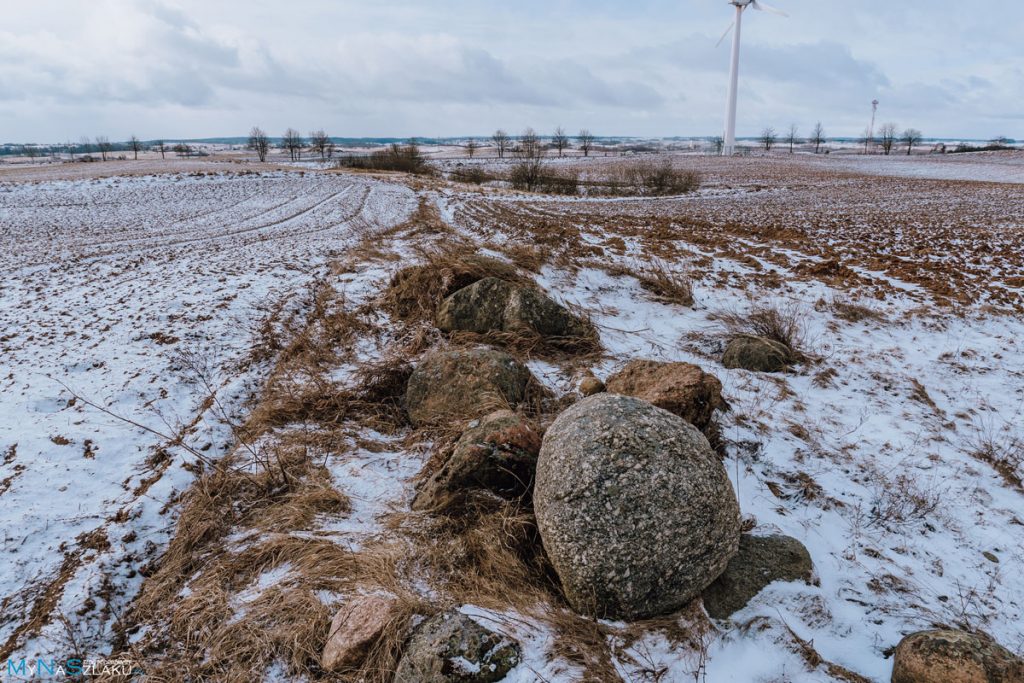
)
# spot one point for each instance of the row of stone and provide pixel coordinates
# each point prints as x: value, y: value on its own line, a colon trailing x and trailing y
x: 635, y: 510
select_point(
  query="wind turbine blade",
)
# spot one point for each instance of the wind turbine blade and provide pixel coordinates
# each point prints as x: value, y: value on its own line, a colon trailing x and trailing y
x: 726, y: 34
x: 767, y: 8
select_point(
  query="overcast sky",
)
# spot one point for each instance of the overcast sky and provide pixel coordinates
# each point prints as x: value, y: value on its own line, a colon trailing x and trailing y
x: 205, y: 68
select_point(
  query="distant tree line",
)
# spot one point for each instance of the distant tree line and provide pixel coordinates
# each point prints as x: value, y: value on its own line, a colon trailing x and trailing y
x: 528, y: 145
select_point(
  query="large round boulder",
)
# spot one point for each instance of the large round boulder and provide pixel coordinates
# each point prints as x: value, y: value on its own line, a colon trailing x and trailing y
x: 680, y: 388
x: 452, y: 648
x: 494, y: 305
x: 462, y: 384
x: 497, y: 453
x: 758, y: 354
x: 635, y: 510
x: 948, y: 656
x: 761, y: 560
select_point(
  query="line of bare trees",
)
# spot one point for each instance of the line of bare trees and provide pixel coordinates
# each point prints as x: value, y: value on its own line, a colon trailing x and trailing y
x: 769, y: 138
x: 531, y: 142
x: 292, y: 142
x: 888, y: 137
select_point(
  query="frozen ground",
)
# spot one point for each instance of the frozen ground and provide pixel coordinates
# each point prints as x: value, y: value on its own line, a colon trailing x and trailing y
x: 114, y: 289
x: 869, y: 456
x: 1001, y: 167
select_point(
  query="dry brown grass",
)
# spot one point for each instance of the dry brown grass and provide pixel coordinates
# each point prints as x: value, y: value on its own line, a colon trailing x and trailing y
x: 852, y: 311
x: 525, y: 344
x: 416, y: 292
x: 784, y: 323
x: 667, y: 284
x: 999, y: 444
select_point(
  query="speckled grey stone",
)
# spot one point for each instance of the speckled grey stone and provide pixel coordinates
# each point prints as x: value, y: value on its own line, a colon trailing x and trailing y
x: 635, y: 510
x: 494, y: 305
x: 497, y: 453
x: 760, y: 561
x: 464, y: 384
x: 757, y: 354
x: 452, y: 648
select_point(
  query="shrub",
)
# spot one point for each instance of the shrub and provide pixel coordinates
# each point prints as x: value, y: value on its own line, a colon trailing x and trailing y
x: 526, y: 175
x: 403, y: 158
x: 560, y: 182
x: 531, y: 175
x: 473, y: 175
x: 647, y: 178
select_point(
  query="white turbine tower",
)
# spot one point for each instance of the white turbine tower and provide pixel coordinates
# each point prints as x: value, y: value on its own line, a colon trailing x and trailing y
x: 734, y: 71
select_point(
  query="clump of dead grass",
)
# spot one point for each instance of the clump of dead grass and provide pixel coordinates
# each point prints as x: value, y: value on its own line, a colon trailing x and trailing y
x: 852, y: 311
x: 415, y: 292
x: 785, y: 323
x: 999, y: 444
x: 666, y: 283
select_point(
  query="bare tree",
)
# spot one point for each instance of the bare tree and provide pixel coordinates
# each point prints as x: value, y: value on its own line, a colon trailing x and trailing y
x: 135, y: 146
x: 292, y: 142
x: 768, y: 138
x: 793, y: 137
x: 103, y: 144
x: 320, y: 143
x: 560, y: 141
x: 868, y: 140
x: 183, y: 150
x: 529, y: 171
x: 161, y: 147
x: 471, y: 147
x: 911, y: 138
x: 501, y: 141
x: 818, y: 136
x: 259, y: 143
x: 887, y: 137
x: 529, y: 146
x: 586, y: 141
x: 86, y: 145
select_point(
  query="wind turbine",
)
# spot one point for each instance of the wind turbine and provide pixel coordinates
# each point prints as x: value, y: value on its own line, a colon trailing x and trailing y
x: 734, y: 71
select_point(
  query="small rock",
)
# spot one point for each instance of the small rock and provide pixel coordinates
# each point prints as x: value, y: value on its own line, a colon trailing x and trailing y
x: 757, y: 354
x: 991, y: 557
x: 948, y: 656
x: 760, y: 561
x: 680, y: 388
x: 493, y: 305
x: 591, y: 385
x: 354, y: 628
x: 635, y: 510
x: 452, y: 648
x: 497, y: 453
x: 464, y: 384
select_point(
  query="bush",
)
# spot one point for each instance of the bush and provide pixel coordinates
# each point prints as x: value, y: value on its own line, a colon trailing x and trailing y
x: 526, y: 175
x: 532, y: 176
x: 473, y: 175
x: 560, y: 182
x: 647, y: 178
x: 403, y: 158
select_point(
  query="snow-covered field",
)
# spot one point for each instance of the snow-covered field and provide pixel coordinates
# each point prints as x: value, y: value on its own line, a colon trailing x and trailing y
x: 112, y: 289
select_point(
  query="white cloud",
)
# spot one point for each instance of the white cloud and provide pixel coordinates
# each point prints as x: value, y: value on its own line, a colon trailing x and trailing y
x: 189, y: 68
